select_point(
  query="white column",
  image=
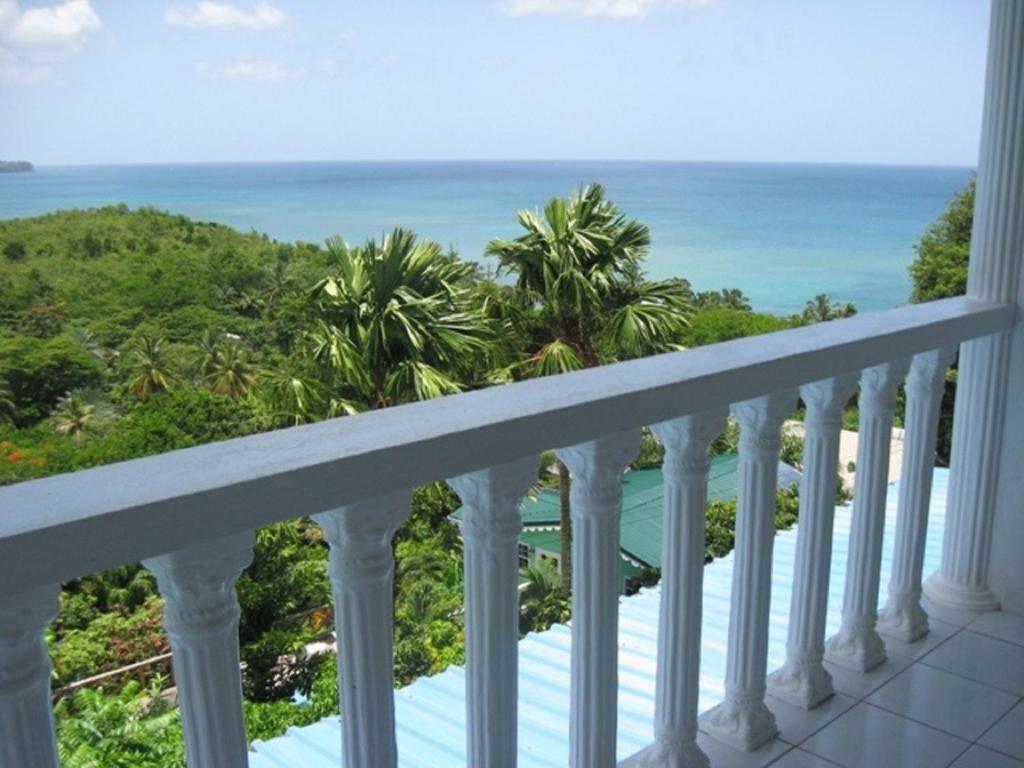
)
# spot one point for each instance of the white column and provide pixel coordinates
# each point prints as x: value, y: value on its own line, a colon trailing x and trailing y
x: 596, y: 468
x: 803, y: 679
x: 857, y: 644
x: 903, y: 617
x: 362, y: 573
x: 27, y: 738
x: 490, y: 526
x: 743, y: 720
x: 201, y: 617
x: 997, y: 245
x: 677, y: 688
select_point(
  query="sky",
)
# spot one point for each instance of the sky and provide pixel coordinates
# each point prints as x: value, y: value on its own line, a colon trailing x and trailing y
x: 157, y: 81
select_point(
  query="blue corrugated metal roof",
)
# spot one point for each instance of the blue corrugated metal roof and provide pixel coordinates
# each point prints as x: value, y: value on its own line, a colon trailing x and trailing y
x: 430, y: 713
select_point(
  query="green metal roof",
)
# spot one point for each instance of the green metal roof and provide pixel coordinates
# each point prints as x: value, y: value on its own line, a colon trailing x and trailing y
x: 641, y: 507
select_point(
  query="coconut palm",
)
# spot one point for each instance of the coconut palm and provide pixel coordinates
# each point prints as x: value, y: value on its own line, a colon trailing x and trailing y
x: 542, y: 601
x: 152, y: 367
x: 395, y: 323
x: 8, y: 410
x: 78, y: 412
x: 229, y: 370
x: 582, y: 300
x: 821, y: 309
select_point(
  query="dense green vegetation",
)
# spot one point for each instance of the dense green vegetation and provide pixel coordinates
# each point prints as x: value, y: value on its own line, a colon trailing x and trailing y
x: 940, y: 272
x: 128, y: 333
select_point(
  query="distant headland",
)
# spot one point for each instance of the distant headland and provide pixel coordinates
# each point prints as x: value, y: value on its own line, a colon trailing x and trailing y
x: 15, y: 166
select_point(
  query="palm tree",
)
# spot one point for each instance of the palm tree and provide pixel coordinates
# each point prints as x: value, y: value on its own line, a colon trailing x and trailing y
x: 291, y: 396
x: 821, y: 309
x: 542, y: 600
x: 229, y: 371
x: 152, y: 367
x: 8, y: 411
x: 582, y: 300
x: 395, y: 324
x: 78, y: 412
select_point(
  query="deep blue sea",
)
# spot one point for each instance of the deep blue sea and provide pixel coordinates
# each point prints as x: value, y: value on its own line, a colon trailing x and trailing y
x: 782, y: 233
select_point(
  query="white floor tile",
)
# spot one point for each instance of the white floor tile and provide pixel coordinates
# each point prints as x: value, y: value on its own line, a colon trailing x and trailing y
x: 979, y: 757
x: 721, y: 754
x: 938, y: 632
x: 862, y: 684
x: 942, y: 700
x: 868, y: 737
x: 1005, y: 626
x: 796, y: 724
x: 1007, y: 735
x: 982, y: 658
x: 800, y: 759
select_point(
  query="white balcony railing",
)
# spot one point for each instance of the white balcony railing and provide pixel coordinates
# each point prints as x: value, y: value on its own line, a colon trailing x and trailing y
x: 189, y: 515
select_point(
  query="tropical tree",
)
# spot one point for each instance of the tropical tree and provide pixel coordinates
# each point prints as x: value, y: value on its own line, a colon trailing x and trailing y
x: 727, y: 298
x: 581, y: 298
x: 940, y: 272
x: 395, y: 323
x: 542, y: 600
x: 821, y: 309
x: 229, y: 370
x: 73, y: 416
x: 940, y: 269
x: 152, y: 368
x: 8, y: 410
x: 292, y: 397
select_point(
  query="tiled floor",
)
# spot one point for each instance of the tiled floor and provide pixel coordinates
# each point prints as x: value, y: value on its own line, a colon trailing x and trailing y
x: 954, y: 699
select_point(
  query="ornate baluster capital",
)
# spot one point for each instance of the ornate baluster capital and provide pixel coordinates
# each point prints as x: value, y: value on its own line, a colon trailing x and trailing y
x: 826, y: 399
x: 491, y: 499
x: 928, y: 371
x: 360, y: 536
x: 761, y: 420
x: 198, y: 583
x: 596, y: 467
x: 878, y: 386
x: 686, y: 441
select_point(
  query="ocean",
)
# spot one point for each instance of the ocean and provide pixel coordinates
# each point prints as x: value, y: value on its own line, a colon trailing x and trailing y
x: 780, y: 232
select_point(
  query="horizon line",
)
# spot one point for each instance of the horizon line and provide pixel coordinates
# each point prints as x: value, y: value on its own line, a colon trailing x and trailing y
x: 481, y: 160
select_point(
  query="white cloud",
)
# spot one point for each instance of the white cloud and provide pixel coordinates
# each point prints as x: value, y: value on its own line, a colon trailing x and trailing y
x: 618, y: 9
x: 216, y: 14
x: 252, y: 70
x: 65, y: 24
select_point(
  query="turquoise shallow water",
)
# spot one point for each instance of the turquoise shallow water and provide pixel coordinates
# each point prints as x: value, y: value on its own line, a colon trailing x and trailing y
x: 782, y: 233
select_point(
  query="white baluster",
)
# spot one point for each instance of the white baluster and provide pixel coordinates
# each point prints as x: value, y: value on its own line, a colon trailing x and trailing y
x: 743, y: 720
x: 490, y: 525
x: 201, y: 617
x: 857, y: 645
x: 984, y: 468
x: 362, y: 573
x: 803, y: 679
x: 596, y: 469
x: 685, y: 469
x: 27, y: 738
x: 903, y: 617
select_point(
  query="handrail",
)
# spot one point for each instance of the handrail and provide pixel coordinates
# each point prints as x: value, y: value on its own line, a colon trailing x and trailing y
x: 62, y: 527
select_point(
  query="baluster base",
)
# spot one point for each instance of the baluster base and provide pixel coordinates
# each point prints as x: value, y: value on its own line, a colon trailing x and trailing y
x: 903, y: 619
x: 804, y: 685
x: 949, y: 594
x: 668, y: 754
x: 744, y: 725
x: 857, y: 648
